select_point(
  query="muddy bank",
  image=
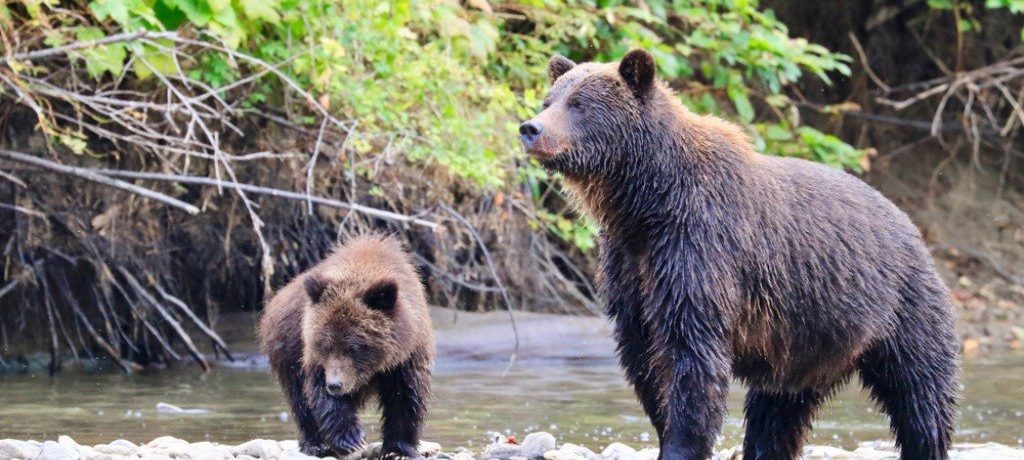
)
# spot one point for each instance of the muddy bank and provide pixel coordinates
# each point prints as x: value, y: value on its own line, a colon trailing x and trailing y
x: 534, y: 446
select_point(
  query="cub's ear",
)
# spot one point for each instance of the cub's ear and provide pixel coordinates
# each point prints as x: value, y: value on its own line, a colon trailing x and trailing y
x: 637, y: 68
x: 315, y: 285
x: 557, y: 66
x: 382, y: 296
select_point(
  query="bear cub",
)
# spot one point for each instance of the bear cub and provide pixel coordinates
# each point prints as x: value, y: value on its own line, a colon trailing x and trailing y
x: 355, y: 325
x: 717, y: 261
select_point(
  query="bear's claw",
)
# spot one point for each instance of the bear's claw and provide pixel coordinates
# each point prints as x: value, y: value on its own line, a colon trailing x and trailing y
x: 315, y: 449
x: 350, y: 440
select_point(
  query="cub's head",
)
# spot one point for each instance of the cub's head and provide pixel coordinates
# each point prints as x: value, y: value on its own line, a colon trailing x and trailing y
x: 366, y: 314
x: 595, y: 115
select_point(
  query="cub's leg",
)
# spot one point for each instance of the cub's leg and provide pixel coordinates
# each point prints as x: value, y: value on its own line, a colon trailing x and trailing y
x: 336, y: 416
x: 404, y: 393
x: 292, y: 380
x: 777, y: 423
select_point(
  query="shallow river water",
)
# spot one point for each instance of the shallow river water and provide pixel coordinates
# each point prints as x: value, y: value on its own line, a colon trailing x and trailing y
x: 580, y: 401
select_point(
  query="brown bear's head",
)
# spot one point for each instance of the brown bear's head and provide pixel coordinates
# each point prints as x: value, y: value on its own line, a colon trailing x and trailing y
x: 367, y: 313
x: 595, y: 115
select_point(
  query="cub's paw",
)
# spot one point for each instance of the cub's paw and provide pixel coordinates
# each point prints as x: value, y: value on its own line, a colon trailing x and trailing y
x: 400, y: 451
x: 401, y: 456
x: 347, y: 440
x: 315, y: 449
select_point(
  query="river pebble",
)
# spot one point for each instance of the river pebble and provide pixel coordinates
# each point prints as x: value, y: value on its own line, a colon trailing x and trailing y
x: 534, y: 446
x: 55, y: 451
x: 10, y: 449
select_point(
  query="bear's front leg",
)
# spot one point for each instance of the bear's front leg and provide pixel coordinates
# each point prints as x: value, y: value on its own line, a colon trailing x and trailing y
x: 690, y: 318
x: 404, y: 393
x: 337, y: 417
x: 632, y: 336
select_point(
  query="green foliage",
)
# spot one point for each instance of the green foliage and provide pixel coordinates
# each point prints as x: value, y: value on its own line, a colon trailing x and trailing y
x: 446, y: 83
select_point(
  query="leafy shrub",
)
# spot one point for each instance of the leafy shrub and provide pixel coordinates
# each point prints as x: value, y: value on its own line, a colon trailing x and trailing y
x: 442, y: 82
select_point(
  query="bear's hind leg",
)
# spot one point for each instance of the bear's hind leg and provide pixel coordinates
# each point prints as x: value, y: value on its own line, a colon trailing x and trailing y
x: 913, y: 376
x: 777, y: 423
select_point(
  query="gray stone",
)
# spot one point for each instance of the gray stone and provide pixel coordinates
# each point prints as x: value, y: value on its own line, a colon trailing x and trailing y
x: 55, y: 451
x: 11, y: 449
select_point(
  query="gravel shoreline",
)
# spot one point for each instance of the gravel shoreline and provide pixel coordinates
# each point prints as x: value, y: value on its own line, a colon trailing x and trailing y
x: 534, y: 446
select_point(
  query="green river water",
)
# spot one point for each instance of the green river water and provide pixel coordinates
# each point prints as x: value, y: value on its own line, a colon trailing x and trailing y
x: 580, y: 401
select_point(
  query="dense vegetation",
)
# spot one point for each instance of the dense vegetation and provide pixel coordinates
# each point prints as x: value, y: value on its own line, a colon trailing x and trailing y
x: 396, y: 114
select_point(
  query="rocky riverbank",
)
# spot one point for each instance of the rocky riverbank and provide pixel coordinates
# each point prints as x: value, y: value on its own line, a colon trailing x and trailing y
x: 535, y: 446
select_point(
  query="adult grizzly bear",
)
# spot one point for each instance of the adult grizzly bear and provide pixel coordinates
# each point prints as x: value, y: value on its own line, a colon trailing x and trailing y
x: 716, y: 260
x: 354, y: 325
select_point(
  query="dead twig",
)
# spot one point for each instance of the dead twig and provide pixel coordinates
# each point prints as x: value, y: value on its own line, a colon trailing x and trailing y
x: 89, y: 175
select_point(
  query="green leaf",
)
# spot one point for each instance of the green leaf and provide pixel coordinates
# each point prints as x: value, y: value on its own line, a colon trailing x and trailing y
x: 115, y: 9
x: 261, y: 10
x: 100, y: 59
x: 744, y: 108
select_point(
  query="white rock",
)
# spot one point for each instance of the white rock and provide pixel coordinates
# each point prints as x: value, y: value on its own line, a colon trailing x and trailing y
x: 11, y: 449
x: 125, y: 444
x: 429, y: 449
x: 166, y: 443
x: 536, y: 444
x: 55, y: 451
x: 827, y: 453
x: 83, y: 451
x: 502, y: 451
x: 618, y: 451
x: 649, y: 453
x: 290, y: 444
x: 209, y: 450
x: 119, y: 447
x: 985, y: 451
x: 294, y: 454
x: 868, y: 453
x: 259, y: 448
x: 569, y: 451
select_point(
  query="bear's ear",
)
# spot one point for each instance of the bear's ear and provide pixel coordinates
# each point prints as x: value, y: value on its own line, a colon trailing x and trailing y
x: 315, y: 285
x: 557, y: 66
x: 637, y: 68
x: 382, y: 296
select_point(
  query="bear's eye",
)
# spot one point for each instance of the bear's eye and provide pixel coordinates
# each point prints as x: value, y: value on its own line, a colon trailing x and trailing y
x: 576, y: 104
x: 545, y: 105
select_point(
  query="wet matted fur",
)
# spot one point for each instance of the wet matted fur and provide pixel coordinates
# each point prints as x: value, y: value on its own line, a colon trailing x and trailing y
x: 719, y: 261
x: 355, y: 325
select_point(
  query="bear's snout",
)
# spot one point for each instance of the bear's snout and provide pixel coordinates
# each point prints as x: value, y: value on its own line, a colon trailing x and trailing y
x: 334, y: 388
x: 529, y: 132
